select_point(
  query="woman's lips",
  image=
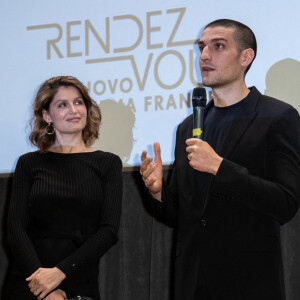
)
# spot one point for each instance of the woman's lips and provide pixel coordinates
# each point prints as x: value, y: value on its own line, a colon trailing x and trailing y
x: 73, y: 119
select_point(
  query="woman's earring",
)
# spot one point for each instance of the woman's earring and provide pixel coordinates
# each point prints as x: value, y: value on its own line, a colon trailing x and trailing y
x: 50, y: 129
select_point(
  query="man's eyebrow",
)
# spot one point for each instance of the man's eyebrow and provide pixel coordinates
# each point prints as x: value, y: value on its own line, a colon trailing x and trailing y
x: 213, y: 40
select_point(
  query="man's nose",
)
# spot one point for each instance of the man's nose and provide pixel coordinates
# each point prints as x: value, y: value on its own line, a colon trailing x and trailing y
x: 205, y: 54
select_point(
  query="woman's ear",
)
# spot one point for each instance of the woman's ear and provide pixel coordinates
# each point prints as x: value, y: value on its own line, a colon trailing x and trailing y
x: 46, y: 116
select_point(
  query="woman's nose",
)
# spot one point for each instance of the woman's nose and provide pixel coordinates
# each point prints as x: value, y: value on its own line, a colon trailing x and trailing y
x: 72, y: 108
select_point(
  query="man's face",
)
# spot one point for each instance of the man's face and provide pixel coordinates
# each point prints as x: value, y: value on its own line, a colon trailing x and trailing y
x: 220, y: 59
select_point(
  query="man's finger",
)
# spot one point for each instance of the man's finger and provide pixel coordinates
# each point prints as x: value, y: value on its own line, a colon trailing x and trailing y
x: 188, y: 149
x: 150, y: 181
x: 157, y: 156
x: 42, y: 295
x: 143, y: 155
x: 30, y: 277
x: 36, y: 292
x: 192, y: 141
x: 33, y: 275
x: 148, y: 171
x: 145, y: 163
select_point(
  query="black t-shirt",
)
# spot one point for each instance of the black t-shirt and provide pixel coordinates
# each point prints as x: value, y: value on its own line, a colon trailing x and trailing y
x: 218, y: 122
x: 217, y: 126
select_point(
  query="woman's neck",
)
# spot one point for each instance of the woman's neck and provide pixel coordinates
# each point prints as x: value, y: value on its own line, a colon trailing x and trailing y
x: 69, y: 144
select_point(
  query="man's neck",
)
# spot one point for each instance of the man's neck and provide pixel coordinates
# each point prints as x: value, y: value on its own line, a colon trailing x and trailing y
x: 229, y: 95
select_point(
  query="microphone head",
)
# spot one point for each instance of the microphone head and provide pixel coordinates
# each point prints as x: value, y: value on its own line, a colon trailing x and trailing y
x: 199, y: 97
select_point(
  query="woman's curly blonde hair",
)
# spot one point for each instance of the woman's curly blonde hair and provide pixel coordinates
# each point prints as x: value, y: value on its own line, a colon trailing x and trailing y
x: 45, y: 95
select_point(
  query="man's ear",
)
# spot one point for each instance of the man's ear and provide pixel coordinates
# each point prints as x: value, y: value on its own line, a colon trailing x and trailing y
x: 247, y: 57
x: 46, y: 116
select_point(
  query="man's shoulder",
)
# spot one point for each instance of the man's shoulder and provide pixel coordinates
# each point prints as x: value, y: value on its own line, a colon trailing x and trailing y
x: 187, y: 121
x: 270, y: 105
x: 275, y: 106
x: 272, y: 101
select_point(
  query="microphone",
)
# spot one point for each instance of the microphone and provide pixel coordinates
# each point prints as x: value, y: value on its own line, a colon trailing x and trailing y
x: 199, y: 103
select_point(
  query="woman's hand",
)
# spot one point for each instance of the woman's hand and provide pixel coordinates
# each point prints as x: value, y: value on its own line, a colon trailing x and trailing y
x: 56, y: 295
x: 45, y: 280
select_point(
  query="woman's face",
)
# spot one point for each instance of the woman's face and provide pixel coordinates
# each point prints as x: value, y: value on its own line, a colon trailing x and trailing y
x: 67, y: 111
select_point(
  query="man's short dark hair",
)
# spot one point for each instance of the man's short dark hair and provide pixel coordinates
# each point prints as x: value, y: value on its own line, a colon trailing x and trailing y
x: 243, y: 35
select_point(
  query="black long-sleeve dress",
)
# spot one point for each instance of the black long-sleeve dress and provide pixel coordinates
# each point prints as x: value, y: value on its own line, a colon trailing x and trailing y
x: 64, y: 212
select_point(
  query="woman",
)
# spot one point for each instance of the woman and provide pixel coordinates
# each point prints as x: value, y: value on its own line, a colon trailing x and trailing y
x: 66, y: 199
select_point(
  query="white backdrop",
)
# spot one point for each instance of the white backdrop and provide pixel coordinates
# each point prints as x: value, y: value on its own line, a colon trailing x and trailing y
x: 138, y: 54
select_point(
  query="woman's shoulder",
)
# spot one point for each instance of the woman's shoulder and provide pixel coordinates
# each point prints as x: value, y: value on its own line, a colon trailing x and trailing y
x: 27, y: 161
x: 107, y: 159
x: 30, y: 156
x: 105, y: 155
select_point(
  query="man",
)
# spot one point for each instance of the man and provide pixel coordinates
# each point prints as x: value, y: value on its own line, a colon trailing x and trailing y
x: 229, y: 193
